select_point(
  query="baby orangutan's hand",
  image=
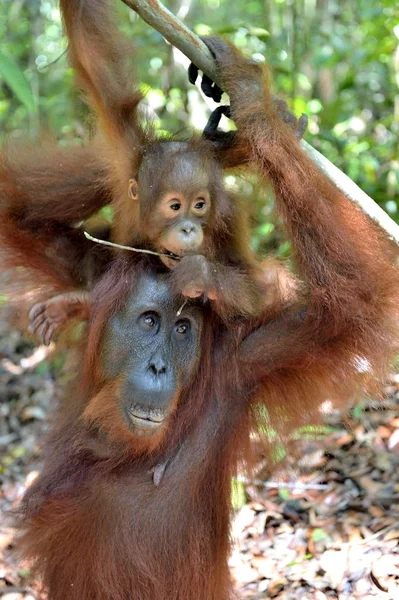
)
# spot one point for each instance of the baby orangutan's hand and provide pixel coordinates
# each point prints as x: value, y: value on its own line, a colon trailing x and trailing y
x: 193, y: 277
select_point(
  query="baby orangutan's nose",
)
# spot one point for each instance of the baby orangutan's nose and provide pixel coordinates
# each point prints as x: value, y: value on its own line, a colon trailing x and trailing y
x: 190, y: 236
x: 187, y: 228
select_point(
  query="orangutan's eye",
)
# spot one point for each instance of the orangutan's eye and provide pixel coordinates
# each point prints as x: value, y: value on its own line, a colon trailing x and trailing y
x: 200, y: 204
x: 148, y: 320
x: 175, y: 205
x: 182, y: 327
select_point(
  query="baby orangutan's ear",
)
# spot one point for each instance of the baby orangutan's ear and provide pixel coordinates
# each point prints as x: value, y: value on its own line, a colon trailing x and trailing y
x: 133, y: 189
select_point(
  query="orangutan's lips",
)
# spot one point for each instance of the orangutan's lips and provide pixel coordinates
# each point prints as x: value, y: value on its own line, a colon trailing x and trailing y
x: 146, y: 420
x: 150, y: 420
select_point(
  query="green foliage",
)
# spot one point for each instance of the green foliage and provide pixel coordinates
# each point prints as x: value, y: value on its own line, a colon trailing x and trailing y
x: 238, y: 495
x: 43, y: 367
x: 284, y: 494
x: 298, y: 562
x: 337, y: 62
x: 313, y: 432
x: 277, y: 453
x: 12, y: 75
x: 319, y: 535
x: 357, y: 412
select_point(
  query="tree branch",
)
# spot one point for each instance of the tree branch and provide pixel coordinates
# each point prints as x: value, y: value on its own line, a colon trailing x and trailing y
x: 161, y: 19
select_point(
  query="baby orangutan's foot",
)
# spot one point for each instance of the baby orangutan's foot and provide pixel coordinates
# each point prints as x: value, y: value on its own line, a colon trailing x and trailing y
x: 47, y: 318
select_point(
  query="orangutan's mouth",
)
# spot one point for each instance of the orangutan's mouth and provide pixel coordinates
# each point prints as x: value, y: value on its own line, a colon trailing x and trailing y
x: 148, y: 420
x: 169, y: 254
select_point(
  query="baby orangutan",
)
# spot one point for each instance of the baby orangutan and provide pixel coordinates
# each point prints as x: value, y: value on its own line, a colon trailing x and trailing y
x: 168, y: 195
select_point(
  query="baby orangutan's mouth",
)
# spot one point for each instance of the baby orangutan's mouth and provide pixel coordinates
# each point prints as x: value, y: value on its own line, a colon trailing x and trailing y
x: 170, y: 254
x: 169, y: 258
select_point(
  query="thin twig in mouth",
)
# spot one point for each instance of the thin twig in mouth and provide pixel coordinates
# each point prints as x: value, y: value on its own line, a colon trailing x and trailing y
x: 130, y: 248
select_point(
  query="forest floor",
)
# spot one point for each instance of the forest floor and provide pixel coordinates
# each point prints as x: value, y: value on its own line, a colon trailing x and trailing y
x: 328, y: 528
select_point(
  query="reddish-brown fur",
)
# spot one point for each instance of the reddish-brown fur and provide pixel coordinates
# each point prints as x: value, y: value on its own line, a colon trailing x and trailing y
x: 94, y: 523
x: 43, y: 195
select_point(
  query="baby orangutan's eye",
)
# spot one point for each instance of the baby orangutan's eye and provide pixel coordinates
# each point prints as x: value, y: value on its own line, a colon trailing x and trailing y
x: 200, y: 204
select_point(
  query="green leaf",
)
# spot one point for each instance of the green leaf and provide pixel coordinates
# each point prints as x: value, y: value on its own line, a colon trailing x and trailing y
x: 108, y: 213
x: 278, y: 453
x: 317, y: 429
x: 319, y: 535
x: 42, y: 368
x: 226, y: 29
x: 284, y: 494
x: 16, y: 81
x: 313, y: 432
x: 298, y: 562
x: 357, y: 412
x: 25, y: 573
x: 259, y: 32
x: 264, y: 229
x: 238, y: 495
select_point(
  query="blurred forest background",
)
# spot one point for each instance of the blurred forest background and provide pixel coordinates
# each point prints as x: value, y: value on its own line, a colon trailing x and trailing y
x: 338, y: 61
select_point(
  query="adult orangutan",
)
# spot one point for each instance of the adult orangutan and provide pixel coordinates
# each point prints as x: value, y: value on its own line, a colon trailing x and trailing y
x: 171, y: 397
